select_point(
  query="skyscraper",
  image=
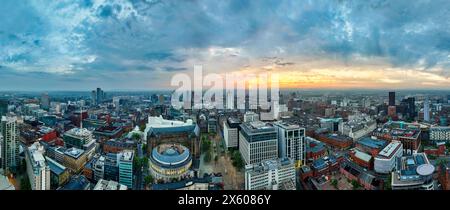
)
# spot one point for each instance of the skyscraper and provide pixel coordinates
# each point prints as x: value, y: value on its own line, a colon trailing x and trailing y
x: 426, y: 110
x: 10, y: 144
x: 3, y: 107
x: 391, y: 98
x: 291, y: 142
x: 97, y: 96
x: 37, y: 168
x: 45, y: 101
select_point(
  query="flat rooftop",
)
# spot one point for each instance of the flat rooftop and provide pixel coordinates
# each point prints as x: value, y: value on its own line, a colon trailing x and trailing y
x: 256, y: 127
x: 372, y: 143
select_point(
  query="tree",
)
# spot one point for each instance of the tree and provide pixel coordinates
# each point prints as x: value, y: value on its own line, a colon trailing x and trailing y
x: 238, y: 162
x: 142, y: 127
x: 207, y: 157
x: 145, y: 162
x: 387, y: 183
x: 137, y: 163
x: 144, y: 148
x: 206, y: 145
x: 136, y: 136
x: 148, y: 180
x: 355, y: 184
x: 25, y: 183
x: 334, y: 182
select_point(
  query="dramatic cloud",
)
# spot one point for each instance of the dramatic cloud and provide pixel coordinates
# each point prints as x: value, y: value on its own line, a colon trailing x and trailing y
x: 138, y: 44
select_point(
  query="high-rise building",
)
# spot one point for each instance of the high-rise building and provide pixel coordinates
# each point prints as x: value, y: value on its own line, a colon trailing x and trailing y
x: 409, y: 108
x: 391, y: 98
x: 99, y: 168
x: 45, y: 101
x: 231, y: 132
x: 3, y: 107
x: 10, y: 144
x: 111, y: 170
x: 258, y: 141
x: 97, y: 96
x: 291, y: 142
x: 426, y: 110
x: 37, y: 169
x: 275, y: 174
x: 125, y: 162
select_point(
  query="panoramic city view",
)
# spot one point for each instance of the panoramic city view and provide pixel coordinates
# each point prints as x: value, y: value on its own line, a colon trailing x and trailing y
x: 154, y: 95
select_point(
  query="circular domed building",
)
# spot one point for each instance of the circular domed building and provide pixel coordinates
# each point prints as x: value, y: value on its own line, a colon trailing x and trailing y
x: 170, y: 161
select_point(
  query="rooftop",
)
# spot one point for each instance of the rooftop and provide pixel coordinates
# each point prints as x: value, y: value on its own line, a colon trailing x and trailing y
x: 372, y: 143
x: 389, y: 149
x: 74, y: 152
x: 256, y: 127
x: 109, y: 185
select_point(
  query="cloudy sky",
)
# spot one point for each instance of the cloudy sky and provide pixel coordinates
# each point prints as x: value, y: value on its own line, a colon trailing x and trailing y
x: 141, y: 44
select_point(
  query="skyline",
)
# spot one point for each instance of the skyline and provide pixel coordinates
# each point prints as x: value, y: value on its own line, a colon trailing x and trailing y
x: 140, y: 45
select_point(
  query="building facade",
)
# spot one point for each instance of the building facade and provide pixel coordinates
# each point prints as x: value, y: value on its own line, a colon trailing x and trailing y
x: 10, y: 143
x: 385, y: 161
x: 231, y: 132
x: 258, y: 141
x: 440, y: 134
x: 37, y: 169
x: 125, y: 162
x: 275, y: 174
x: 291, y: 142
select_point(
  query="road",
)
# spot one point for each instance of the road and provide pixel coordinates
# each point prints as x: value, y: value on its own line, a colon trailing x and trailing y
x: 140, y: 174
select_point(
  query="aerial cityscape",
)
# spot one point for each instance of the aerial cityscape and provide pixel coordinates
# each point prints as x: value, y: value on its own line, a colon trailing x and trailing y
x: 105, y: 95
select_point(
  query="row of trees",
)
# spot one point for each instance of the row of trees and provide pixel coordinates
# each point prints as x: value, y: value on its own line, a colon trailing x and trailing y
x: 206, y: 149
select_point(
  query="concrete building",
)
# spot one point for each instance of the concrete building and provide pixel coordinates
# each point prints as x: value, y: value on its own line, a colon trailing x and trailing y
x: 386, y: 159
x: 109, y: 185
x: 74, y: 159
x: 10, y: 143
x: 358, y: 126
x: 258, y: 141
x: 125, y: 162
x: 275, y: 174
x: 99, y: 168
x: 78, y: 137
x: 231, y: 132
x: 250, y: 117
x: 161, y: 131
x: 331, y: 124
x: 59, y: 174
x: 37, y: 169
x: 5, y: 184
x: 291, y: 142
x: 440, y: 134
